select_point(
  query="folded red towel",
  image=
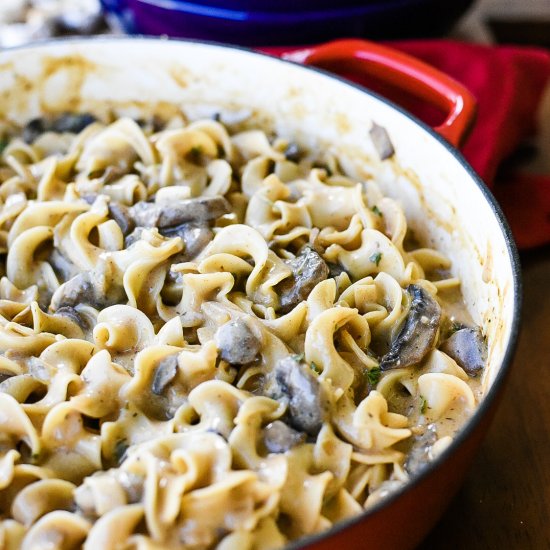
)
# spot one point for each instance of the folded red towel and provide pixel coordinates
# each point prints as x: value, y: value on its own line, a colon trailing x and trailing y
x: 508, y: 83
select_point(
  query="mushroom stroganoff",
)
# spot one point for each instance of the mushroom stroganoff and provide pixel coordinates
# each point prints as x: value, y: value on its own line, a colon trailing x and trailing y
x: 211, y: 338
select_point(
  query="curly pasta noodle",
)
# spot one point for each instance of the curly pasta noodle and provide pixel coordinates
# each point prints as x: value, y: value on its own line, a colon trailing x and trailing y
x: 210, y: 339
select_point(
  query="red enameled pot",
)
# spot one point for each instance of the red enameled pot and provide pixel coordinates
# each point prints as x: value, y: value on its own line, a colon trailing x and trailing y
x: 445, y: 202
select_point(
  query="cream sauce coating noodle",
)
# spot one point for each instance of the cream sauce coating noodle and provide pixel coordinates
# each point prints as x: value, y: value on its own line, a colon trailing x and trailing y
x: 211, y: 339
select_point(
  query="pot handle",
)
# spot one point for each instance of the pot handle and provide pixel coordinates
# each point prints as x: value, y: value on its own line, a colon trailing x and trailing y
x: 404, y: 72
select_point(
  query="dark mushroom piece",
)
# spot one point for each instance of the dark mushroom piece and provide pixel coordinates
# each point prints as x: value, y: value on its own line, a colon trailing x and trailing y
x: 335, y: 270
x: 292, y: 152
x: 164, y: 374
x: 195, y: 237
x: 77, y: 290
x: 121, y: 215
x: 167, y: 394
x: 89, y: 199
x: 308, y: 269
x: 87, y: 288
x: 278, y: 437
x: 33, y: 129
x: 236, y: 342
x: 5, y: 376
x: 201, y: 209
x: 72, y: 314
x: 417, y: 337
x: 120, y: 451
x: 133, y: 237
x: 62, y: 266
x: 72, y: 122
x: 381, y: 141
x: 294, y: 382
x: 418, y: 456
x: 145, y: 214
x: 468, y: 348
x: 67, y: 122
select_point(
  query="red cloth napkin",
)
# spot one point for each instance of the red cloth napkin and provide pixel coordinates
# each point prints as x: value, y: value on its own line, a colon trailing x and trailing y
x: 508, y: 83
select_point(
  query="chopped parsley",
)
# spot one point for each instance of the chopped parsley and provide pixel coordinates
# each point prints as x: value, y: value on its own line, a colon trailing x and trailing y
x: 373, y: 376
x: 298, y: 357
x: 377, y: 211
x: 375, y: 258
x: 423, y: 405
x: 455, y: 327
x: 315, y: 368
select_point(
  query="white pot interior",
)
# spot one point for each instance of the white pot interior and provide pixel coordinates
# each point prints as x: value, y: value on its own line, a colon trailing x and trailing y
x: 443, y: 204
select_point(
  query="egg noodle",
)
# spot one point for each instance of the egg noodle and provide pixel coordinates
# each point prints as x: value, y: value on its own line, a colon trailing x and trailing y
x: 208, y: 339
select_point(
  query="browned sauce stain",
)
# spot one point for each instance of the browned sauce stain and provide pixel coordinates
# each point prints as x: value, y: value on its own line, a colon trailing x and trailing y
x: 12, y: 97
x: 8, y: 66
x: 414, y: 180
x: 487, y: 273
x: 342, y: 123
x: 299, y: 111
x: 22, y: 84
x: 74, y: 69
x: 180, y: 75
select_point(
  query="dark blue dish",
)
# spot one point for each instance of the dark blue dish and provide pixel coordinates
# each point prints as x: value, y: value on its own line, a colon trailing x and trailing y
x: 231, y: 22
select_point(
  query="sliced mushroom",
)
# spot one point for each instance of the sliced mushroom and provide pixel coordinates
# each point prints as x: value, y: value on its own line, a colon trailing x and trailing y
x: 417, y: 337
x: 67, y: 122
x: 120, y: 450
x: 237, y: 344
x: 62, y: 266
x: 308, y: 403
x: 201, y: 209
x: 77, y: 290
x: 87, y: 288
x: 167, y: 393
x: 73, y: 315
x: 5, y: 376
x: 71, y: 122
x: 195, y: 236
x: 468, y: 348
x: 292, y: 152
x: 164, y: 374
x: 278, y: 437
x: 133, y: 237
x: 33, y: 129
x: 145, y: 214
x: 381, y: 141
x: 418, y: 456
x: 335, y: 270
x: 121, y: 214
x: 89, y: 198
x: 308, y: 269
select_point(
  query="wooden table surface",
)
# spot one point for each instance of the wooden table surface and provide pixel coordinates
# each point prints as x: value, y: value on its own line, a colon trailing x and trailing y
x: 505, y: 501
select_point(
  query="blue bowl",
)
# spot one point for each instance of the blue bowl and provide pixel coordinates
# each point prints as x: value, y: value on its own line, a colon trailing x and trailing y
x: 280, y: 5
x: 207, y: 20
